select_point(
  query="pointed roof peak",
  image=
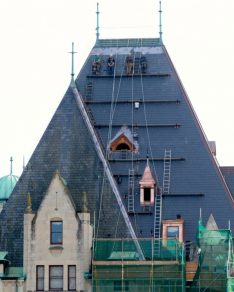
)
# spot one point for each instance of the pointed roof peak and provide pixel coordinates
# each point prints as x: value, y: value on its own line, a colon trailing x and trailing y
x: 211, y: 223
x: 147, y: 177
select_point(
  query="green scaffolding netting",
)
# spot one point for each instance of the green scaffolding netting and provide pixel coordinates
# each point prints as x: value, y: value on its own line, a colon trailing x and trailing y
x: 215, y: 251
x: 117, y: 266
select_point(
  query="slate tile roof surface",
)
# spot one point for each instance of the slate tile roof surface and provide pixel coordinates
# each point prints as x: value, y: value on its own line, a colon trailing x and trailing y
x: 228, y: 174
x: 67, y: 146
x: 164, y: 120
x: 196, y: 181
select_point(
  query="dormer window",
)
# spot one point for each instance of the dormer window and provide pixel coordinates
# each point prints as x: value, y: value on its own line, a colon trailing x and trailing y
x: 147, y: 188
x: 173, y: 229
x: 123, y: 141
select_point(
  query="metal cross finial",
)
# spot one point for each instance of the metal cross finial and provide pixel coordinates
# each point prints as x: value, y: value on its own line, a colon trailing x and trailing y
x: 11, y: 161
x: 97, y: 28
x: 160, y: 21
x: 72, y: 64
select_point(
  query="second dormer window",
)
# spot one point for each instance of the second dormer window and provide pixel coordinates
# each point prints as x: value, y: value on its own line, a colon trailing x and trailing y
x: 56, y: 232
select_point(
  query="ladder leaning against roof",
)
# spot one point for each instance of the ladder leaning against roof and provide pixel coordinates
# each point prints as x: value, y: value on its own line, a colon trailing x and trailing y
x: 167, y: 171
x: 131, y: 174
x: 157, y: 222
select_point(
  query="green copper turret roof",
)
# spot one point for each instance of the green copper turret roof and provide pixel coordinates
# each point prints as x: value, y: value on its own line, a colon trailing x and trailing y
x: 7, y: 184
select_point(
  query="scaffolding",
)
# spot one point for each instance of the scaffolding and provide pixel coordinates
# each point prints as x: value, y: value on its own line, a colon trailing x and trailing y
x: 214, y: 273
x: 117, y: 266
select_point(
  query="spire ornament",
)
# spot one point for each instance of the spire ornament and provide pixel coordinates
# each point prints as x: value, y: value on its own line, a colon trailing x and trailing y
x: 29, y: 203
x: 97, y: 27
x: 160, y: 21
x: 85, y: 203
x: 72, y: 62
x: 11, y: 165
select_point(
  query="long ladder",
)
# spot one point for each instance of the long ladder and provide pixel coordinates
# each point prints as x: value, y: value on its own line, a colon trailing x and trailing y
x: 157, y: 223
x: 131, y: 191
x: 167, y: 171
x: 89, y: 90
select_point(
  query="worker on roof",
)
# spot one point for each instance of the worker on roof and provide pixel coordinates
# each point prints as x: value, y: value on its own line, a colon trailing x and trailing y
x: 110, y: 64
x: 96, y: 65
x: 143, y: 64
x: 129, y: 64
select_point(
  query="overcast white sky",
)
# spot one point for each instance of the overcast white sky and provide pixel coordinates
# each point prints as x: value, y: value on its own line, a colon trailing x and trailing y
x: 35, y: 66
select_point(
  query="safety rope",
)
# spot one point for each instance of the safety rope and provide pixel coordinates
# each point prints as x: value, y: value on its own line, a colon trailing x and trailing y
x: 112, y: 110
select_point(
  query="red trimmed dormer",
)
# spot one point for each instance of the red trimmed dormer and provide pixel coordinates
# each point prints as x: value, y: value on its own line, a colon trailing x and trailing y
x: 147, y: 188
x: 122, y: 143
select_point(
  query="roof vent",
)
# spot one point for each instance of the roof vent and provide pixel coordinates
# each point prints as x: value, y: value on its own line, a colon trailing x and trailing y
x: 136, y: 104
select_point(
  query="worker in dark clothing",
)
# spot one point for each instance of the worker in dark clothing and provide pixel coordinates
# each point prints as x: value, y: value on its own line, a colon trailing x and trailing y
x: 110, y: 65
x: 96, y: 66
x: 129, y: 64
x: 143, y: 64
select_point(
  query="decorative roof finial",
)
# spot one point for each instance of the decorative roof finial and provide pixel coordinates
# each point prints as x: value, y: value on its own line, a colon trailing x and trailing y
x: 11, y: 162
x: 147, y: 159
x: 23, y: 162
x: 85, y: 203
x: 97, y: 28
x: 29, y: 204
x: 160, y: 22
x: 72, y: 63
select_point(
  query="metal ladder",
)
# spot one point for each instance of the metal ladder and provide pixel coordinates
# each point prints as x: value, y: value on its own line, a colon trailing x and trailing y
x: 131, y: 191
x: 167, y: 171
x: 157, y: 223
x: 137, y: 65
x: 91, y: 116
x: 89, y: 90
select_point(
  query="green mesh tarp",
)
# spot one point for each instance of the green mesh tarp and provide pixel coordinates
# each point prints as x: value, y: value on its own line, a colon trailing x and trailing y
x: 230, y: 285
x: 215, y: 250
x: 154, y: 249
x: 118, y: 267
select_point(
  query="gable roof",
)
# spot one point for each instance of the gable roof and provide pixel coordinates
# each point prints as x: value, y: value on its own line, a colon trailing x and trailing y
x: 67, y: 146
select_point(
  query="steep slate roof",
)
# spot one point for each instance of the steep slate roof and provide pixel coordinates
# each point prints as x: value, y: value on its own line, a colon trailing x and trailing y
x: 228, y: 174
x: 164, y: 120
x: 67, y: 146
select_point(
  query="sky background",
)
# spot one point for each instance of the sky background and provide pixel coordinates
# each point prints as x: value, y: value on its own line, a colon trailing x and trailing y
x: 36, y: 36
